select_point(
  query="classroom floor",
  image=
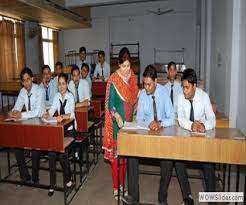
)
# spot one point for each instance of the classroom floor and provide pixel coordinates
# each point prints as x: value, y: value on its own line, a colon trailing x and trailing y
x: 95, y: 191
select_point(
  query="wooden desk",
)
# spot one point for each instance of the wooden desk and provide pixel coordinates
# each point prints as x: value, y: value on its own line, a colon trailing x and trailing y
x: 33, y: 134
x: 9, y: 89
x: 82, y: 118
x: 219, y: 145
x: 222, y: 121
x: 99, y: 88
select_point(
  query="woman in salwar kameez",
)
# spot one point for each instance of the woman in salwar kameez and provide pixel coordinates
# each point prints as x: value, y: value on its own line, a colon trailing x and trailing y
x: 121, y: 96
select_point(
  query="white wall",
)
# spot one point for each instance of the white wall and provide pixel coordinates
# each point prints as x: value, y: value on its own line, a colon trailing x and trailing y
x: 228, y: 49
x: 132, y: 23
x: 221, y: 53
x: 32, y: 48
x: 241, y: 115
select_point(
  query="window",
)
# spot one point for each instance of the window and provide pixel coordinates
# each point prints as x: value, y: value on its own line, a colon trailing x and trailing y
x: 48, y: 51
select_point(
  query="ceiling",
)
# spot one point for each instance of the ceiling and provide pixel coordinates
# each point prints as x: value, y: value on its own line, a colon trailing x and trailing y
x: 48, y: 13
x: 92, y: 3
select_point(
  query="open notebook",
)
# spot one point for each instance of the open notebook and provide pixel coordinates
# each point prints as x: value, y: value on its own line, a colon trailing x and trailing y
x: 50, y: 120
x: 134, y: 126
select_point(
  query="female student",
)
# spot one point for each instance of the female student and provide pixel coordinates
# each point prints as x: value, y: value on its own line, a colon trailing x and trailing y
x: 64, y: 104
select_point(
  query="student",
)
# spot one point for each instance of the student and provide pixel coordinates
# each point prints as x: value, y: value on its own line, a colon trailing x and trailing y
x: 79, y: 88
x: 102, y: 70
x: 64, y: 104
x: 32, y: 97
x: 195, y: 114
x: 82, y: 56
x: 155, y: 111
x: 173, y: 86
x: 85, y: 72
x: 48, y: 85
x: 58, y: 71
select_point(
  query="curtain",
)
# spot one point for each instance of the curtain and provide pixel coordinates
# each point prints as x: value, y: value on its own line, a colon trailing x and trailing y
x: 41, y: 57
x: 20, y: 47
x: 56, y: 45
x: 8, y: 60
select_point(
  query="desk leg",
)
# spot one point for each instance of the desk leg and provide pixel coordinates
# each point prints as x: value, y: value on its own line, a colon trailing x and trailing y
x: 237, y: 180
x: 229, y: 178
x: 224, y: 177
x: 244, y: 184
x: 118, y: 178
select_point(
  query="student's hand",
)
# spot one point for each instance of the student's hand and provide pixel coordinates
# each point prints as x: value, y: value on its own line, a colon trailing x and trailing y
x: 155, y: 125
x: 198, y: 127
x: 118, y: 120
x: 16, y: 115
x: 59, y: 118
x: 10, y: 114
x: 201, y: 127
x: 46, y: 115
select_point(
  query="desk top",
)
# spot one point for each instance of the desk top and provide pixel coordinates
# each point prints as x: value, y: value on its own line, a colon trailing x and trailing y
x: 223, y: 145
x: 33, y: 134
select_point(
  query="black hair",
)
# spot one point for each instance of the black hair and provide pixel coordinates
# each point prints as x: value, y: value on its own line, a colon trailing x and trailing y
x: 189, y: 75
x: 45, y: 66
x: 59, y: 63
x: 170, y: 64
x: 63, y: 75
x: 82, y: 49
x: 86, y: 66
x: 74, y: 68
x: 150, y: 72
x: 101, y: 53
x: 24, y: 71
x: 122, y: 52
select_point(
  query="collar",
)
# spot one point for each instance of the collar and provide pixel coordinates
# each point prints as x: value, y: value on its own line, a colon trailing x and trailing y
x: 65, y: 97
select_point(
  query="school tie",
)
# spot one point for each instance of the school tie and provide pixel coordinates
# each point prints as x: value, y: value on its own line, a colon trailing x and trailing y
x: 102, y: 72
x: 171, y: 94
x: 191, y: 111
x: 77, y: 93
x: 62, y: 107
x: 47, y: 93
x: 154, y: 108
x: 29, y: 101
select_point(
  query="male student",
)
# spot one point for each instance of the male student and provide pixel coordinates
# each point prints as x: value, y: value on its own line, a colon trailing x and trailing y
x: 173, y: 86
x: 48, y: 85
x: 82, y: 56
x: 102, y: 70
x: 32, y: 97
x: 155, y: 111
x: 58, y: 71
x: 195, y: 114
x: 85, y: 72
x: 79, y: 88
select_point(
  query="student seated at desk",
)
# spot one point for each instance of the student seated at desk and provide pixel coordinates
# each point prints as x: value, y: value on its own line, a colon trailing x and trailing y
x: 195, y: 114
x: 102, y: 70
x: 32, y: 97
x: 79, y: 88
x: 64, y: 104
x: 58, y: 71
x: 85, y: 72
x: 49, y: 85
x: 173, y: 86
x: 82, y: 57
x: 155, y: 111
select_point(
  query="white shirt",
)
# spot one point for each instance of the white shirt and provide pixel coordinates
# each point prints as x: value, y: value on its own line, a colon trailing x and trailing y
x: 105, y: 68
x: 202, y: 110
x: 69, y: 107
x: 52, y: 90
x: 177, y: 89
x: 36, y: 100
x: 83, y: 90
